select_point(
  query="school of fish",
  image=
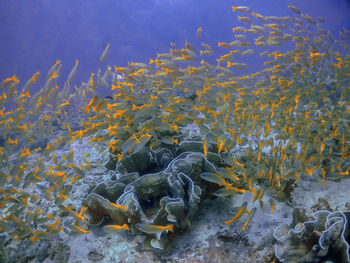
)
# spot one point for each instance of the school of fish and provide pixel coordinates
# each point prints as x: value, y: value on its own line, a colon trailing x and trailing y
x: 289, y: 120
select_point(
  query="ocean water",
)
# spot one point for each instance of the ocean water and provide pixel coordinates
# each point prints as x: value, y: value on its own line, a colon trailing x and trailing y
x: 158, y: 153
x: 34, y: 34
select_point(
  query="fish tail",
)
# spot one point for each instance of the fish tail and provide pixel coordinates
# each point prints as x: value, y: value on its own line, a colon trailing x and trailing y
x: 171, y: 228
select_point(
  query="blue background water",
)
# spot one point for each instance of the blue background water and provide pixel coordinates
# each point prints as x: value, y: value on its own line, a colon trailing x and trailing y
x: 35, y: 33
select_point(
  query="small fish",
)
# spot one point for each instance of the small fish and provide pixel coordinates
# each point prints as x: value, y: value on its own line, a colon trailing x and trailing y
x: 294, y: 9
x: 272, y: 205
x: 25, y: 152
x: 6, y: 82
x: 253, y: 190
x: 198, y: 33
x: 91, y: 103
x: 261, y: 193
x: 114, y: 205
x: 248, y: 52
x: 229, y: 174
x: 31, y: 81
x: 104, y: 53
x: 80, y: 215
x: 42, y: 235
x: 240, y: 37
x: 259, y: 29
x: 287, y: 19
x: 249, y: 218
x: 229, y: 191
x: 238, y: 215
x: 63, y: 104
x: 205, y: 147
x: 239, y: 29
x: 214, y: 178
x: 274, y: 18
x: 189, y: 46
x: 221, y: 145
x: 310, y: 170
x: 259, y: 16
x: 154, y: 229
x: 309, y: 19
x: 51, y: 71
x: 238, y: 43
x: 223, y: 44
x: 79, y: 229
x: 10, y: 141
x: 243, y: 9
x: 116, y: 227
x: 73, y: 72
x: 236, y: 65
x: 245, y: 19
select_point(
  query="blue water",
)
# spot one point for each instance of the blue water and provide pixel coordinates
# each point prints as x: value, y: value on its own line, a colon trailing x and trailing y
x: 35, y: 33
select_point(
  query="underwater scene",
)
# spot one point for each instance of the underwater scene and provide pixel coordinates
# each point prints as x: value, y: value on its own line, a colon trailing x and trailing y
x: 175, y: 131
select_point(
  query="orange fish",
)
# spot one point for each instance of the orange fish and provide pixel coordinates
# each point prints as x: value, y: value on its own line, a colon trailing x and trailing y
x: 199, y: 30
x: 116, y: 227
x: 154, y: 229
x: 239, y: 214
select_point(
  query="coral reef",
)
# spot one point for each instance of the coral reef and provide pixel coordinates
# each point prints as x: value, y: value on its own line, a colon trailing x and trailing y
x: 321, y: 236
x: 258, y: 134
x: 159, y: 187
